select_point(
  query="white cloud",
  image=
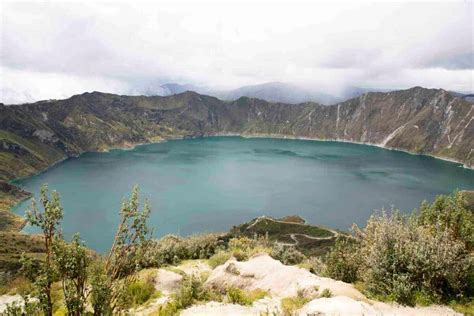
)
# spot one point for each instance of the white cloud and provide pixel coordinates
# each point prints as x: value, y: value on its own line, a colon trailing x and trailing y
x: 51, y: 50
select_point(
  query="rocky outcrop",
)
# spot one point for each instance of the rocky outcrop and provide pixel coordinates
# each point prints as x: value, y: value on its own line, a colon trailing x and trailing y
x: 418, y: 120
x: 265, y: 273
x: 282, y: 281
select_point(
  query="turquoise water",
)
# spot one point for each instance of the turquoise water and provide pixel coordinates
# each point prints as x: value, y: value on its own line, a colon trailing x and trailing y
x: 210, y: 184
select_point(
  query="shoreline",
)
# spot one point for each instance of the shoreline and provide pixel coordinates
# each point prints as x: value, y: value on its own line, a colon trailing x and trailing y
x: 130, y: 146
x: 337, y: 140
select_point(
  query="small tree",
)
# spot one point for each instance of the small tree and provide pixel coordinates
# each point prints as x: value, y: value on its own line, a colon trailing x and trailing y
x: 72, y: 261
x: 48, y: 221
x: 130, y: 242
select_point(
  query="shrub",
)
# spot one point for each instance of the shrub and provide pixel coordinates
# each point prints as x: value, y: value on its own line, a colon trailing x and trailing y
x: 449, y: 212
x: 138, y: 293
x: 173, y: 249
x: 242, y: 248
x: 287, y: 254
x: 241, y: 297
x: 401, y: 258
x: 290, y: 305
x: 422, y: 258
x: 341, y: 263
x: 314, y: 265
x: 219, y: 258
x: 190, y: 292
x: 28, y: 308
x: 18, y: 285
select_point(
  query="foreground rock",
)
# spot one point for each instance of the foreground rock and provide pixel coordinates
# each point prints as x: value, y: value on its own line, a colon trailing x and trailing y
x: 265, y: 306
x: 341, y: 305
x: 265, y: 273
x: 6, y: 300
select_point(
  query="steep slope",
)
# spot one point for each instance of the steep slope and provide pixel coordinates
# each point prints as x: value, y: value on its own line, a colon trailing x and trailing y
x: 418, y: 120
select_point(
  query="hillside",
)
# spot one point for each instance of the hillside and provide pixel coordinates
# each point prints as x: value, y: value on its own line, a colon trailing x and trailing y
x: 416, y: 120
x: 290, y: 231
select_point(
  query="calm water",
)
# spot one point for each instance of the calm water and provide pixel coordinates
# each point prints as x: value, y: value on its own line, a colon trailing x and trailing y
x: 213, y: 183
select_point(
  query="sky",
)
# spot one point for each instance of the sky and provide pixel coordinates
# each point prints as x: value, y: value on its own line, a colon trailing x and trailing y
x: 52, y: 50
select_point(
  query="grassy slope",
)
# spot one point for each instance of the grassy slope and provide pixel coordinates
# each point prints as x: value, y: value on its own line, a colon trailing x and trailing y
x: 288, y: 231
x: 13, y: 244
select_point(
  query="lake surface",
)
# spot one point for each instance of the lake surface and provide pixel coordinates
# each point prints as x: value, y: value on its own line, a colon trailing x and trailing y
x: 210, y: 184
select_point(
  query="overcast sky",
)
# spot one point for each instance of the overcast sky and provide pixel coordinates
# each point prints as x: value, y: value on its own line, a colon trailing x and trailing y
x: 57, y: 49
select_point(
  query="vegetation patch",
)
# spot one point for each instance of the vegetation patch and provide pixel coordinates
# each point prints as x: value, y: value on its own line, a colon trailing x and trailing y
x: 192, y: 291
x: 138, y: 293
x: 241, y: 297
x: 311, y: 240
x: 423, y: 258
x: 290, y: 305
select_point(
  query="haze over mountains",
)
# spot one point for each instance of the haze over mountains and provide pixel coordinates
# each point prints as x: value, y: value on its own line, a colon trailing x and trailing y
x: 271, y: 92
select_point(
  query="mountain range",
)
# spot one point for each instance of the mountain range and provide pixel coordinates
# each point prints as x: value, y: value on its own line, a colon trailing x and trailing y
x: 418, y: 120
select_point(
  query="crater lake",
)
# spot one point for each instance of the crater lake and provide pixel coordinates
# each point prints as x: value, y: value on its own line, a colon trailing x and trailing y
x: 210, y: 184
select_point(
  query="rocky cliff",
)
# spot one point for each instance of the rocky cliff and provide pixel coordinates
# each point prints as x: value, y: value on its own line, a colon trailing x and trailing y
x: 423, y: 121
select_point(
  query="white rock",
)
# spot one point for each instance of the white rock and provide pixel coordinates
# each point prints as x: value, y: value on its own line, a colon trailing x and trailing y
x: 9, y: 299
x: 266, y: 273
x: 167, y: 281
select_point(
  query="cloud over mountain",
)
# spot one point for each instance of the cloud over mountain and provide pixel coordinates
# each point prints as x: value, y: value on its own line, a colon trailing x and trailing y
x: 54, y: 50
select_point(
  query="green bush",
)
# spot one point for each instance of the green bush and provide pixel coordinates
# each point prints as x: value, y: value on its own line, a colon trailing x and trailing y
x: 314, y: 265
x: 173, y: 249
x: 242, y: 248
x: 191, y: 291
x: 423, y: 258
x: 401, y: 258
x: 219, y: 258
x: 138, y: 293
x: 449, y: 212
x: 241, y: 297
x: 342, y: 262
x: 290, y: 305
x: 287, y: 254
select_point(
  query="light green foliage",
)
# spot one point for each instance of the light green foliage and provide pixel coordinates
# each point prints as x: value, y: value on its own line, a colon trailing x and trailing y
x: 48, y: 221
x: 28, y: 308
x: 422, y: 258
x: 449, y: 212
x: 72, y: 262
x: 138, y: 293
x: 401, y: 258
x: 290, y: 305
x: 219, y: 258
x: 314, y: 265
x: 242, y: 248
x: 238, y: 296
x: 129, y: 246
x: 287, y: 254
x: 100, y: 294
x: 191, y: 291
x: 173, y: 249
x: 342, y: 262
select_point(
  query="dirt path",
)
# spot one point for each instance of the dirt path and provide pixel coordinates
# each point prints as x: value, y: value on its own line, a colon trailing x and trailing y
x: 292, y: 236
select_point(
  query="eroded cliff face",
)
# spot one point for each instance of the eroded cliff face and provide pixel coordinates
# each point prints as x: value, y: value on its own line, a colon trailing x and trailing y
x: 418, y: 120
